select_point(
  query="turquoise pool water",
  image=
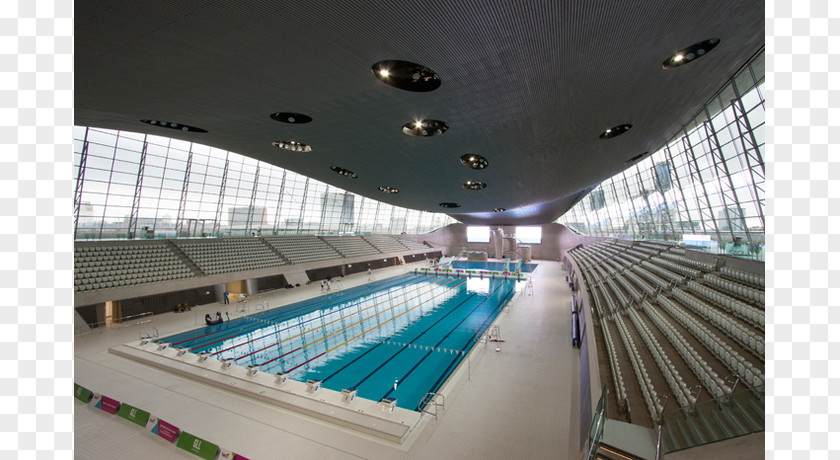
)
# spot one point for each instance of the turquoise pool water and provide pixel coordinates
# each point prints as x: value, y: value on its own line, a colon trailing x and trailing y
x: 492, y: 266
x: 410, y: 330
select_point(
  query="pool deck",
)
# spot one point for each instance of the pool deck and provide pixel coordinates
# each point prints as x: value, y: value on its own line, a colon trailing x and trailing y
x: 520, y: 402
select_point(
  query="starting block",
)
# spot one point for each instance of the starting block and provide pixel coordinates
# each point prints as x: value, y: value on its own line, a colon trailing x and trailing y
x: 226, y: 363
x: 252, y: 370
x: 202, y: 357
x: 163, y: 346
x: 388, y: 404
x: 348, y: 394
x: 280, y: 378
x: 182, y: 351
x: 313, y: 385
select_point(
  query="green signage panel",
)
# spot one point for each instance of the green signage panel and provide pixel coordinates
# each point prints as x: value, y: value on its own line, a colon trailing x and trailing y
x: 197, y: 446
x: 133, y: 414
x: 81, y: 393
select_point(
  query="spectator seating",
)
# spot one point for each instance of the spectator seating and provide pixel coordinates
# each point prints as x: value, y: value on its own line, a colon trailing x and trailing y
x: 741, y: 334
x: 302, y: 249
x: 685, y: 271
x: 704, y: 372
x: 648, y: 391
x: 754, y: 316
x: 703, y: 266
x: 726, y: 354
x: 649, y: 276
x: 384, y: 243
x: 722, y: 310
x: 752, y: 295
x: 122, y: 265
x: 411, y: 245
x: 615, y: 369
x: 229, y: 254
x: 751, y: 279
x: 678, y: 387
x: 350, y: 246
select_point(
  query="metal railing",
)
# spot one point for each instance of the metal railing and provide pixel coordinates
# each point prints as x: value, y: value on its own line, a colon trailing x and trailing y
x: 596, y: 430
x: 125, y: 321
x: 431, y: 400
x: 732, y: 415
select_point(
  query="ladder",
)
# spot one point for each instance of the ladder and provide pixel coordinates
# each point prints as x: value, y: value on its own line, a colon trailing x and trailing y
x: 432, y: 400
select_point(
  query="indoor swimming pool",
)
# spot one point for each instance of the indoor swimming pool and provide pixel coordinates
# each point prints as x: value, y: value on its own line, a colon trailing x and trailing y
x: 397, y: 338
x: 490, y: 266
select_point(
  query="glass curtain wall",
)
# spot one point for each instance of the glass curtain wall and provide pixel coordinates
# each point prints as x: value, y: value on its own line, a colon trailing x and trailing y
x: 708, y: 180
x: 132, y: 185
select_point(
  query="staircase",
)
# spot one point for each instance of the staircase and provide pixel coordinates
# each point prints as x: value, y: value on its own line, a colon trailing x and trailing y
x: 608, y: 452
x: 728, y: 417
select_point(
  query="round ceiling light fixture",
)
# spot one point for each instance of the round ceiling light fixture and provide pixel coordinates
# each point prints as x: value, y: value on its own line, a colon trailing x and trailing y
x: 690, y: 54
x: 172, y: 125
x: 290, y: 117
x: 499, y: 210
x: 449, y: 205
x: 386, y: 189
x: 474, y: 185
x: 292, y: 145
x: 474, y: 161
x: 405, y: 75
x: 344, y: 172
x: 425, y: 128
x: 615, y: 131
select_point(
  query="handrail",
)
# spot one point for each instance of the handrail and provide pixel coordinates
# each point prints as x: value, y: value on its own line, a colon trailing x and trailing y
x: 599, y: 429
x: 595, y: 442
x: 658, y: 440
x: 121, y: 321
x: 430, y: 398
x: 659, y: 425
x: 721, y: 402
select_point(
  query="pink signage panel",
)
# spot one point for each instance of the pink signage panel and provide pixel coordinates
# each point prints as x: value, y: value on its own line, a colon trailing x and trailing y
x: 168, y: 431
x: 110, y: 405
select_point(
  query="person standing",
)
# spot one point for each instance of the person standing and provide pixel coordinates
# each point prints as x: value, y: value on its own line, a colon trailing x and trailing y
x: 369, y: 274
x: 227, y: 299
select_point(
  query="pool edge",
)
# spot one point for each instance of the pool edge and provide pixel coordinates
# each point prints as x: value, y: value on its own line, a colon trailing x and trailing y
x: 361, y: 415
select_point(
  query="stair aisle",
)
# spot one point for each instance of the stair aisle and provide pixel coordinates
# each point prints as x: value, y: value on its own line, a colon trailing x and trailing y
x: 724, y: 418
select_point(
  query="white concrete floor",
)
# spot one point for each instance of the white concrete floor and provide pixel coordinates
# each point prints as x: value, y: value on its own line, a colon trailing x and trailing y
x: 521, y: 402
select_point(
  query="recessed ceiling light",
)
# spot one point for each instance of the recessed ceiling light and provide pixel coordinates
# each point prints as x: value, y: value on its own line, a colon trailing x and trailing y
x: 171, y: 125
x: 499, y: 210
x: 291, y: 117
x: 689, y: 54
x: 474, y: 161
x: 615, y: 131
x: 474, y: 185
x: 292, y: 145
x: 425, y: 128
x: 344, y: 172
x: 449, y: 205
x: 406, y: 75
x: 386, y: 189
x: 636, y: 157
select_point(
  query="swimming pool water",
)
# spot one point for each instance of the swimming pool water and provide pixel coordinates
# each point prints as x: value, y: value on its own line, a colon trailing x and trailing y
x: 410, y: 330
x: 494, y: 266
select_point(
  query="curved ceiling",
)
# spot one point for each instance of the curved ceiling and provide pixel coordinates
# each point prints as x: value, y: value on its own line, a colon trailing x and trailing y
x: 528, y: 85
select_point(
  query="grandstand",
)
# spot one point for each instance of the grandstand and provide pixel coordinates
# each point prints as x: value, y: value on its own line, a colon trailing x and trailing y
x: 688, y: 336
x: 230, y: 157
